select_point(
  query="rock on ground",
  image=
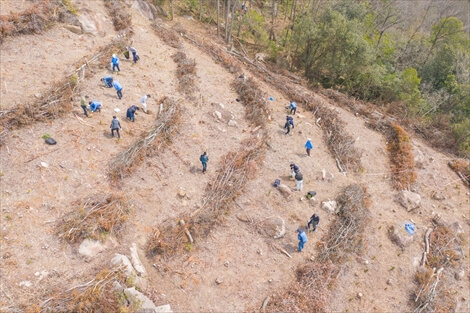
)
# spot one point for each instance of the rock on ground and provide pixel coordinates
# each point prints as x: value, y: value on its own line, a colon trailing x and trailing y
x: 329, y: 206
x: 409, y: 200
x: 400, y: 236
x: 90, y: 248
x: 285, y: 190
x: 124, y: 260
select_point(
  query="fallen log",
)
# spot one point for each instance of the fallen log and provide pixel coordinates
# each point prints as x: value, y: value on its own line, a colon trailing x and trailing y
x: 186, y: 231
x: 265, y: 304
x: 283, y: 251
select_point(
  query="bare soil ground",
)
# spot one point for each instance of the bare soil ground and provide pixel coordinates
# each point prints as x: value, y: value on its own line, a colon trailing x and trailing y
x: 236, y: 253
x: 31, y: 63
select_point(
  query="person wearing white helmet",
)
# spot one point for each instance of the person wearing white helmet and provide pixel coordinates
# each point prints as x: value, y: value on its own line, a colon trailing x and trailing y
x: 115, y: 62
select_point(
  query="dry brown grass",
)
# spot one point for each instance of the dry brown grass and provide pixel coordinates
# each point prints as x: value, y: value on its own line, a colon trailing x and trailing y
x: 169, y: 37
x: 97, y: 295
x: 462, y: 168
x: 148, y: 144
x: 122, y: 18
x: 401, y: 157
x: 94, y: 217
x: 186, y: 74
x: 254, y: 100
x: 346, y: 233
x: 445, y: 253
x: 311, y: 291
x: 34, y: 20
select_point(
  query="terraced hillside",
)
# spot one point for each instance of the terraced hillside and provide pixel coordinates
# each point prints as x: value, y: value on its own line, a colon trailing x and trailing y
x: 227, y: 107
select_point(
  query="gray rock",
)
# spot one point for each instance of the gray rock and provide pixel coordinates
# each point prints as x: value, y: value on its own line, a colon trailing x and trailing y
x: 74, y: 29
x: 163, y: 309
x: 438, y: 196
x: 232, y: 123
x: 459, y: 275
x: 145, y: 9
x: 400, y: 236
x: 124, y: 260
x: 409, y: 200
x: 419, y: 158
x: 90, y: 248
x: 217, y: 114
x: 136, y: 261
x: 139, y: 300
x: 219, y: 280
x: 330, y: 206
x: 285, y: 191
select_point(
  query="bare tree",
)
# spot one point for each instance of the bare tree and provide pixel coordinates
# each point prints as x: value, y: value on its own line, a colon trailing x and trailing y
x: 227, y: 12
x: 231, y: 21
x: 273, y: 14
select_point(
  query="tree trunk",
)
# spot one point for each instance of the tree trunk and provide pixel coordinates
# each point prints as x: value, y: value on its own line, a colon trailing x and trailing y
x: 231, y: 20
x: 240, y: 20
x: 218, y: 17
x: 200, y: 10
x: 171, y: 9
x: 227, y: 12
x: 271, y: 33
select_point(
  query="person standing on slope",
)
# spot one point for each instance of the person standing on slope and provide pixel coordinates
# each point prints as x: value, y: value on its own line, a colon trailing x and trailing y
x: 308, y: 146
x: 115, y: 62
x: 204, y: 158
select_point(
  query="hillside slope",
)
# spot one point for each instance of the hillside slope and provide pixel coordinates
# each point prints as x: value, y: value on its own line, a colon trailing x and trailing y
x: 237, y: 265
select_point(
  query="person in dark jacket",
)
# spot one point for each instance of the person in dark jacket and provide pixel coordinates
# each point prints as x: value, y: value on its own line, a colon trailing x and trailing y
x: 299, y: 179
x: 302, y: 236
x: 314, y: 221
x: 108, y: 81
x: 204, y: 158
x: 83, y: 105
x: 115, y: 126
x: 117, y: 85
x: 288, y: 124
x: 135, y: 57
x: 131, y: 112
x: 293, y: 168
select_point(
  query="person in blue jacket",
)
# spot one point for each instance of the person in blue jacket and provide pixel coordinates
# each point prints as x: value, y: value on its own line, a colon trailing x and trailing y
x: 289, y: 123
x: 308, y: 146
x: 302, y: 236
x: 204, y: 158
x: 115, y: 62
x: 94, y: 106
x: 108, y: 81
x: 131, y: 112
x: 293, y: 107
x: 118, y: 88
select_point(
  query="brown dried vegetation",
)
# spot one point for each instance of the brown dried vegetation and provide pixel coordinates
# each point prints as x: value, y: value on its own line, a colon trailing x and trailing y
x: 169, y: 37
x: 97, y: 295
x: 160, y: 133
x: 346, y: 234
x: 445, y: 254
x: 34, y: 20
x: 186, y: 73
x: 254, y: 100
x: 311, y: 291
x: 462, y: 168
x: 94, y: 218
x: 122, y: 18
x: 401, y: 157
